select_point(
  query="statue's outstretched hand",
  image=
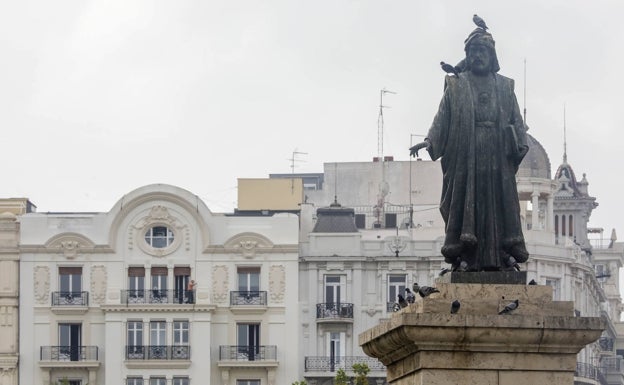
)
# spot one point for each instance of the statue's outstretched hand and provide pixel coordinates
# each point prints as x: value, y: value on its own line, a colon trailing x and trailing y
x: 414, y: 149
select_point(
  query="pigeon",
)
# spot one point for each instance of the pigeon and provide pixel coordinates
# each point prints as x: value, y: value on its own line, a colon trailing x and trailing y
x: 511, y: 263
x: 409, y: 296
x: 455, y: 307
x: 402, y: 301
x: 509, y: 307
x: 424, y: 291
x: 479, y: 22
x: 449, y: 69
x: 532, y: 282
x: 396, y: 307
x: 444, y: 271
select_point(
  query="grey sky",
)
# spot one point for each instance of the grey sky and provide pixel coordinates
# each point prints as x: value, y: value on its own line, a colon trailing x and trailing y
x: 99, y: 98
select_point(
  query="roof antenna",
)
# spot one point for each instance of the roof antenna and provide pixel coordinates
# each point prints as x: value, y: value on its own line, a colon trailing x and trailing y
x: 565, y: 145
x: 335, y: 204
x: 292, y: 160
x: 380, y: 123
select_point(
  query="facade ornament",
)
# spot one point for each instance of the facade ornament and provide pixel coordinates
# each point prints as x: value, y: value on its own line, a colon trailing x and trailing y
x: 248, y: 244
x: 98, y: 284
x: 220, y: 283
x: 159, y: 216
x: 277, y: 283
x: 41, y: 281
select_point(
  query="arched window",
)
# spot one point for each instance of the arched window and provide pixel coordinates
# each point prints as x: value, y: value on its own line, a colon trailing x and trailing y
x: 570, y: 226
x: 563, y: 228
x: 556, y: 224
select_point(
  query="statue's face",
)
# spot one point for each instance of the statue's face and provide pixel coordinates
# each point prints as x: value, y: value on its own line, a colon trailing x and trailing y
x: 479, y: 59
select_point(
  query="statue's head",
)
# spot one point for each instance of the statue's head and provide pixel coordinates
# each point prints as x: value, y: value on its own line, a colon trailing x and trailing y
x: 480, y: 53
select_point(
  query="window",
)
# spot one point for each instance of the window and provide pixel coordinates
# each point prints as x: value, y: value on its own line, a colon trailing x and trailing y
x: 158, y: 340
x: 554, y: 282
x: 158, y: 381
x: 180, y: 333
x: 182, y: 275
x: 159, y: 237
x: 135, y: 340
x: 248, y: 340
x: 360, y: 221
x: 69, y: 342
x: 70, y: 279
x: 180, y: 349
x: 396, y: 286
x: 336, y: 350
x: 134, y: 381
x: 65, y: 381
x: 136, y: 284
x: 248, y: 279
x: 180, y: 381
x: 391, y: 220
x: 247, y: 382
x: 334, y: 288
x: 159, y: 284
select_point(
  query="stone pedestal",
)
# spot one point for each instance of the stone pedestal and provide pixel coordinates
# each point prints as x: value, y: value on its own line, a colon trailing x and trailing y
x: 535, y: 344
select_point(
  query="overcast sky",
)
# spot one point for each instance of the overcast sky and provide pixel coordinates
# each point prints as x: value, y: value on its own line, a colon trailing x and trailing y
x: 99, y: 98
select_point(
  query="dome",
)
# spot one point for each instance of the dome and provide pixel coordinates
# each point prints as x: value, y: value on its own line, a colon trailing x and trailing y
x: 535, y: 163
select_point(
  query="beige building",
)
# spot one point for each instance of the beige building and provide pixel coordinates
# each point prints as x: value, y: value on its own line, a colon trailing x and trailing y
x: 9, y: 286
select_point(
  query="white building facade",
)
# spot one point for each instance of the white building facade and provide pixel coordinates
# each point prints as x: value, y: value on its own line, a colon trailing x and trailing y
x: 351, y: 276
x: 107, y: 298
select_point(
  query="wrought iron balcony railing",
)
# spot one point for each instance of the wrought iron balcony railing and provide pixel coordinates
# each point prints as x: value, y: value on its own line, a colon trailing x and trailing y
x: 591, y: 372
x: 156, y: 296
x: 247, y: 352
x: 158, y: 352
x: 331, y: 364
x: 68, y: 353
x: 334, y: 310
x: 70, y: 298
x: 248, y: 298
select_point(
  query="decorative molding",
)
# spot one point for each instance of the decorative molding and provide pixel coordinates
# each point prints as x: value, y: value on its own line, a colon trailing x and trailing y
x: 159, y: 215
x: 70, y: 244
x: 248, y: 244
x: 98, y: 284
x: 41, y: 275
x: 220, y: 283
x: 277, y: 283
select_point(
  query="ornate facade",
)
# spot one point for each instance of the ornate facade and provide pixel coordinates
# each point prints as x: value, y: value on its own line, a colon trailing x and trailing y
x: 158, y: 291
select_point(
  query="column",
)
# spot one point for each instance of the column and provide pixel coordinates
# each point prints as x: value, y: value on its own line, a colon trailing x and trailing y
x: 535, y: 214
x: 550, y: 220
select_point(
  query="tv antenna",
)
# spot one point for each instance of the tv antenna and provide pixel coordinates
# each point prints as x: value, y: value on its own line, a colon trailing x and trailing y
x: 294, y: 159
x: 380, y: 122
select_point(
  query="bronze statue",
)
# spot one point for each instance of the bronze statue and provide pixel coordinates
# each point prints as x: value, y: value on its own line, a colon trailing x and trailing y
x: 480, y: 136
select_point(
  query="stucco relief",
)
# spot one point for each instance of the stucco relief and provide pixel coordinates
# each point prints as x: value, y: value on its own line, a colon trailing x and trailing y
x: 159, y: 216
x: 98, y: 284
x: 220, y: 283
x: 277, y: 283
x: 70, y: 244
x: 42, y: 284
x: 248, y: 244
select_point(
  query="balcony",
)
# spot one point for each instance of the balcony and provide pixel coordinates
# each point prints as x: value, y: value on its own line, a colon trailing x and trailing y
x: 155, y: 296
x: 69, y: 357
x: 247, y: 356
x: 588, y: 374
x: 613, y: 368
x: 158, y: 352
x: 70, y: 302
x: 248, y: 301
x: 158, y: 356
x: 328, y: 365
x: 334, y: 312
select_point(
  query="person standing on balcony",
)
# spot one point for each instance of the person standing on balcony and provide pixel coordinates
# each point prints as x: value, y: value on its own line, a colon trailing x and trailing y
x: 190, y: 291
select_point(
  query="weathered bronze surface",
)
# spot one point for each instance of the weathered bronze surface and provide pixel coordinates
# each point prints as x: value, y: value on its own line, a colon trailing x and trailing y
x: 480, y: 137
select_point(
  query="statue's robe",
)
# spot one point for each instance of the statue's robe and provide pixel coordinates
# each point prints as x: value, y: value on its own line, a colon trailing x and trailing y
x: 479, y: 201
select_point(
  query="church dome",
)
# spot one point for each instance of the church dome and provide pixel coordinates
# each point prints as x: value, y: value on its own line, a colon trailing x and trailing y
x: 535, y: 163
